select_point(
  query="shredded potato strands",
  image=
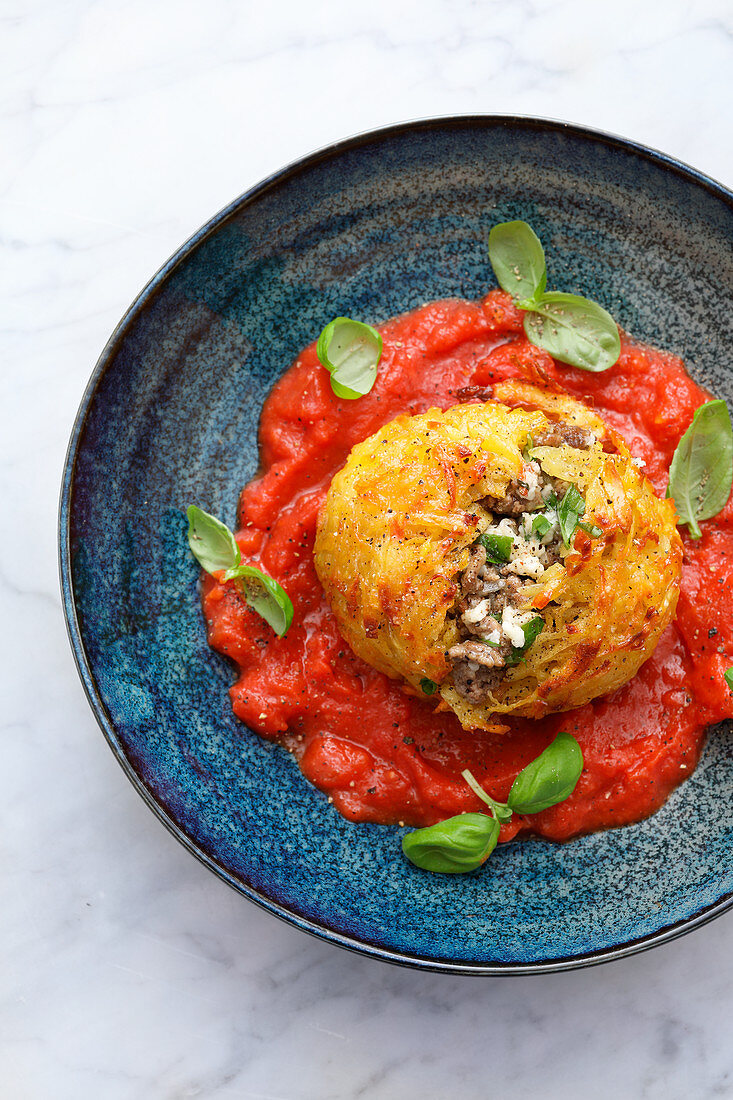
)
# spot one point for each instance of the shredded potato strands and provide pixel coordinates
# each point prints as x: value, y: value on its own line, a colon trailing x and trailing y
x: 402, y: 515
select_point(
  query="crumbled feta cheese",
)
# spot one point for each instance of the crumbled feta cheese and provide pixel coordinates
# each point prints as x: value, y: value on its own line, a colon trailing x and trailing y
x: 526, y: 565
x: 528, y: 547
x: 512, y: 622
x: 505, y: 527
x: 639, y: 462
x: 477, y: 613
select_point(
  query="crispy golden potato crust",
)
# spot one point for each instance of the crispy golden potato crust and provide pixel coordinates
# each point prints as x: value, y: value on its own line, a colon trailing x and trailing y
x: 399, y: 519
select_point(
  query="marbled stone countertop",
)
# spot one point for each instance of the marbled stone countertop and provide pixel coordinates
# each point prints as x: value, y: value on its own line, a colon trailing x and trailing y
x: 130, y: 971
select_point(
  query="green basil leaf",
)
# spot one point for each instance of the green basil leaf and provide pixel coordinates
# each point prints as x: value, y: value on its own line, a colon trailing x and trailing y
x: 590, y: 529
x: 429, y: 686
x: 569, y: 511
x: 531, y: 631
x: 498, y: 548
x: 573, y: 499
x: 728, y: 677
x: 264, y: 595
x: 499, y: 810
x: 549, y: 779
x: 350, y: 351
x: 701, y: 472
x: 518, y: 259
x: 540, y: 526
x: 573, y: 330
x: 212, y: 543
x: 454, y: 846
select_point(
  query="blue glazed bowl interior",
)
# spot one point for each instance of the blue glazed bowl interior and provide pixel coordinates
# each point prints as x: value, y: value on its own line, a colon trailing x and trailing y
x: 371, y: 228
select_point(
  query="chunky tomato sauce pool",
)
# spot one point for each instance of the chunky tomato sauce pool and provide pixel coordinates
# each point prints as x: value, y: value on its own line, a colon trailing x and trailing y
x: 384, y: 756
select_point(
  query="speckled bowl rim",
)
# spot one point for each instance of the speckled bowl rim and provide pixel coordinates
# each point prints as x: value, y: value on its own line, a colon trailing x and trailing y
x: 322, y: 931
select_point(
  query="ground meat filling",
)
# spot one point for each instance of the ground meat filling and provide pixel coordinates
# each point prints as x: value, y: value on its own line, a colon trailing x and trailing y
x: 484, y: 592
x: 490, y: 624
x: 523, y: 494
x: 570, y: 434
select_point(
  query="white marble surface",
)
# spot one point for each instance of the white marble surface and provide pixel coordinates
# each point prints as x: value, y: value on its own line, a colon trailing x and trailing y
x: 130, y: 971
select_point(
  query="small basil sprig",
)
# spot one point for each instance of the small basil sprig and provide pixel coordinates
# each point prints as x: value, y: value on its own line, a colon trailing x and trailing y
x: 549, y: 779
x: 499, y: 810
x: 728, y: 677
x: 350, y: 352
x: 215, y: 548
x: 572, y: 329
x: 462, y: 843
x: 701, y: 472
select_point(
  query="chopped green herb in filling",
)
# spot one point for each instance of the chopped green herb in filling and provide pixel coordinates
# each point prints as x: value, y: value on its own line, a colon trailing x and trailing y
x: 531, y: 529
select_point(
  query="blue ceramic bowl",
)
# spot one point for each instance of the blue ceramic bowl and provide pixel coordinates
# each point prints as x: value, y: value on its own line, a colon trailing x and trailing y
x: 371, y: 227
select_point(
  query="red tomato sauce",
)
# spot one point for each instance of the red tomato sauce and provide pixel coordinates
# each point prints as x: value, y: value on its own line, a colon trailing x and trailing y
x: 383, y: 756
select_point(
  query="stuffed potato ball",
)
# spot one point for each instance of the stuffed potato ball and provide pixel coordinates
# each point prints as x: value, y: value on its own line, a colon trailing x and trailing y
x: 510, y: 555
